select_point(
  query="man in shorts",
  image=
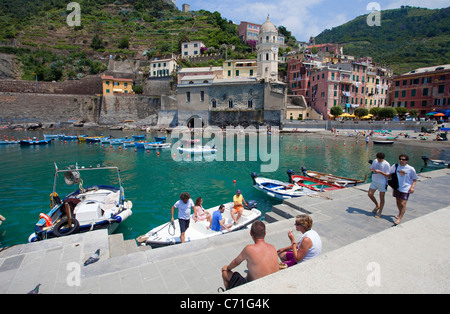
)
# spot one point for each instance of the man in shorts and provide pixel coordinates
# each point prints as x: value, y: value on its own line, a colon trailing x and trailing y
x: 407, y: 178
x: 184, y: 205
x: 238, y: 207
x: 380, y: 172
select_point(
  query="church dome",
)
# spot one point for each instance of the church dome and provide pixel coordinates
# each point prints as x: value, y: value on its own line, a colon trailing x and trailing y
x: 268, y: 27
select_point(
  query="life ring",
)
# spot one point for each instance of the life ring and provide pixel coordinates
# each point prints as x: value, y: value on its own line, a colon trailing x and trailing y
x: 48, y: 220
x: 60, y: 225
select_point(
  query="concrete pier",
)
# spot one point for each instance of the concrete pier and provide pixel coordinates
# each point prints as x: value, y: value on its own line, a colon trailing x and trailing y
x: 361, y: 253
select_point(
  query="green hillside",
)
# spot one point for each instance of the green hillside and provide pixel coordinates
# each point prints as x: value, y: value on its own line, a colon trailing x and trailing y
x: 408, y: 38
x: 123, y: 28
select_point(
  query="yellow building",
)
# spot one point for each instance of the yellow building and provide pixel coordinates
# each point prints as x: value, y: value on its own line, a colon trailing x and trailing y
x: 239, y: 68
x: 113, y: 85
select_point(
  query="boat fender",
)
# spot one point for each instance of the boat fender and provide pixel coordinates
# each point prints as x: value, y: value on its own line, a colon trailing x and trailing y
x: 123, y: 215
x: 62, y: 224
x: 48, y: 220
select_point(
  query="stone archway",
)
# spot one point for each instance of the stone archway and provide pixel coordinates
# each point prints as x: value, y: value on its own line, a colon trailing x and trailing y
x: 195, y: 121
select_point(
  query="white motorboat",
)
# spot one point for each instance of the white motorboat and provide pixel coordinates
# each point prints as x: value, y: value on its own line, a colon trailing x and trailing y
x: 156, y: 145
x: 198, y: 149
x: 279, y: 189
x: 88, y: 208
x: 168, y: 233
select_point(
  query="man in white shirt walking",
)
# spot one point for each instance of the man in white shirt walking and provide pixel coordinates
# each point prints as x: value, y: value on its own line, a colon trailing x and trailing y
x: 380, y: 172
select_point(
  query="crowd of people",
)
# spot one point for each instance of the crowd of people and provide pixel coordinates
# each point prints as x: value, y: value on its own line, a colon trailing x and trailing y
x: 263, y: 258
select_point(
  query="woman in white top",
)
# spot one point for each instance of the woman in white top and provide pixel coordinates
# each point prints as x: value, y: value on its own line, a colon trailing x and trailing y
x: 309, y: 246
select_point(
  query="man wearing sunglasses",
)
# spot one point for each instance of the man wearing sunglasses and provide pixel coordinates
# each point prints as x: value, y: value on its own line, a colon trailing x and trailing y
x: 407, y: 178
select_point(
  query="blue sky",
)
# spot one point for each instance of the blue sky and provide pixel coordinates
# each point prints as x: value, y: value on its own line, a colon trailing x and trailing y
x: 304, y: 18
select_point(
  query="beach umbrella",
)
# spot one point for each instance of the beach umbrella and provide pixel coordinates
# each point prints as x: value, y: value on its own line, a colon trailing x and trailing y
x: 430, y: 114
x: 440, y: 114
x: 345, y: 115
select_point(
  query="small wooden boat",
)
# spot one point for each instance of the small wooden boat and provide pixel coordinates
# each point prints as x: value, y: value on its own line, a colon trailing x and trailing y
x: 169, y: 234
x: 383, y: 142
x: 35, y: 142
x: 128, y: 144
x: 93, y: 139
x: 139, y: 144
x: 69, y: 137
x: 331, y: 178
x: 198, y: 149
x: 88, y: 208
x: 278, y: 189
x: 156, y: 145
x: 311, y: 183
x: 117, y: 141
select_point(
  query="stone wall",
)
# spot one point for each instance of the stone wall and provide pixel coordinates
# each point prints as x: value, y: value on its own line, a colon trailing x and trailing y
x: 91, y: 85
x: 24, y: 108
x: 141, y: 109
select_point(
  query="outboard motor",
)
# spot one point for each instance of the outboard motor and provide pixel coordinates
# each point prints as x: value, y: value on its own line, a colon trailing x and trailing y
x: 425, y: 160
x: 290, y: 173
x: 251, y: 204
x: 254, y: 175
x: 304, y: 170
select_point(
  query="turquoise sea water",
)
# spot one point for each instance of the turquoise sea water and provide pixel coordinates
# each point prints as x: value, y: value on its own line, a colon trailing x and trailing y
x: 154, y: 182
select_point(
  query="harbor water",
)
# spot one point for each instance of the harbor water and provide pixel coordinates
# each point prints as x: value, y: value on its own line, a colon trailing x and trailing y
x: 153, y: 182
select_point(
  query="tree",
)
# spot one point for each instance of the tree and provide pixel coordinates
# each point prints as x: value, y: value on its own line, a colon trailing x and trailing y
x: 401, y: 111
x: 97, y: 43
x: 124, y: 43
x: 386, y: 113
x: 413, y: 113
x: 336, y: 110
x: 361, y: 112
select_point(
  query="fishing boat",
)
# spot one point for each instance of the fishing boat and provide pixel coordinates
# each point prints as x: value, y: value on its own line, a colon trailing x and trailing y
x: 331, y: 178
x: 117, y: 141
x: 128, y: 143
x: 198, y: 149
x: 139, y: 144
x: 7, y: 142
x: 34, y: 142
x: 53, y: 136
x: 69, y: 137
x: 383, y: 142
x: 156, y: 145
x: 278, y: 189
x: 169, y: 233
x: 435, y: 163
x: 160, y: 139
x: 88, y: 208
x: 311, y: 183
x: 138, y: 137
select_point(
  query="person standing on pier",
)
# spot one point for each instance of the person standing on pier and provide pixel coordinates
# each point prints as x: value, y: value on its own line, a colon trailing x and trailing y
x: 380, y: 171
x: 407, y: 178
x: 184, y: 205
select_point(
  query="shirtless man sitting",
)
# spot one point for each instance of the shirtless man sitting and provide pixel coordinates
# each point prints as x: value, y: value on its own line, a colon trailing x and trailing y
x: 261, y: 257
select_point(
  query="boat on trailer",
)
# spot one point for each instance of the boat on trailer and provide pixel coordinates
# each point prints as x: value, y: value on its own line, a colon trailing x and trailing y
x: 86, y: 209
x: 279, y: 189
x: 169, y: 233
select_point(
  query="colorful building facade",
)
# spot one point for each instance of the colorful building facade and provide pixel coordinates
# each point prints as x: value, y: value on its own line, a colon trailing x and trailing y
x: 425, y: 90
x: 114, y: 85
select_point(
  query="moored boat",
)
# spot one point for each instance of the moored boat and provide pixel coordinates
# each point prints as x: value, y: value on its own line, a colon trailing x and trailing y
x: 34, y: 142
x: 7, y: 142
x: 168, y: 233
x: 156, y: 145
x: 331, y: 178
x: 279, y: 189
x: 53, y: 136
x: 86, y: 209
x: 198, y: 149
x: 383, y: 142
x: 435, y: 163
x: 311, y: 183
